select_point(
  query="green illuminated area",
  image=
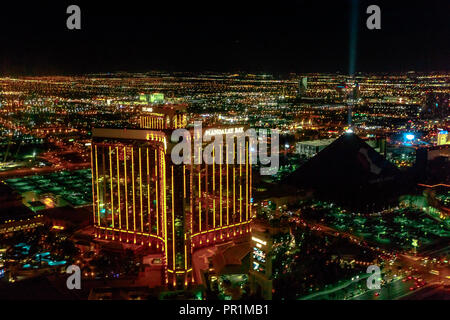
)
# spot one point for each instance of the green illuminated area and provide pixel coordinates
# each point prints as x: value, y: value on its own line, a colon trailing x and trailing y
x: 156, y: 97
x: 62, y: 188
x: 20, y: 150
x: 401, y: 156
x: 152, y: 98
x: 398, y: 228
x: 230, y: 286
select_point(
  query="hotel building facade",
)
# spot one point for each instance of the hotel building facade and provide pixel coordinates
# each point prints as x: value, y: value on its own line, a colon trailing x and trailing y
x: 141, y: 197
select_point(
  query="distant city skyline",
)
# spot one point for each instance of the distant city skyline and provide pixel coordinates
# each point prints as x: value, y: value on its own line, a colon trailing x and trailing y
x: 92, y: 180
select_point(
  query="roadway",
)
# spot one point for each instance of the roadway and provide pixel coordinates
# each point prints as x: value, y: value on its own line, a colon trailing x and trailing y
x: 32, y: 171
x: 406, y: 266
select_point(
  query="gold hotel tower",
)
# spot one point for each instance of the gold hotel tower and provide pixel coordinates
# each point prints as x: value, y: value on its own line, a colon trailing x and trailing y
x: 141, y: 197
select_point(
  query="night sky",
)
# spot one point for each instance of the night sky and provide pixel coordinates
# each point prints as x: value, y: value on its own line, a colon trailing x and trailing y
x: 275, y: 37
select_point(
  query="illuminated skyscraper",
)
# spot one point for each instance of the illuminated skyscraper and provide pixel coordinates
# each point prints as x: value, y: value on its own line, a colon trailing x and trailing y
x: 141, y: 197
x: 128, y: 177
x: 163, y: 117
x: 262, y: 243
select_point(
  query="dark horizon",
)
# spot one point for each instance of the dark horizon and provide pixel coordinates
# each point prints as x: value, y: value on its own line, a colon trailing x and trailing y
x: 303, y: 37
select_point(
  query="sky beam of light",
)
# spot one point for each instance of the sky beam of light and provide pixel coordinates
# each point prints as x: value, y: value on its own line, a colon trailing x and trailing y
x: 353, y: 37
x: 352, y: 50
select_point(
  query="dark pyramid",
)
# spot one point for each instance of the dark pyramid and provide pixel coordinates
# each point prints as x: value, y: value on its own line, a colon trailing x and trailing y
x: 349, y: 171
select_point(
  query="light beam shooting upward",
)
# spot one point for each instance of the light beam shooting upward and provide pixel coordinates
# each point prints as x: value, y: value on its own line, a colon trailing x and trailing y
x: 352, y: 51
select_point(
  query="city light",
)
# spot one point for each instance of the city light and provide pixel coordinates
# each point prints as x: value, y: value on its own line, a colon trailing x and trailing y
x: 191, y: 157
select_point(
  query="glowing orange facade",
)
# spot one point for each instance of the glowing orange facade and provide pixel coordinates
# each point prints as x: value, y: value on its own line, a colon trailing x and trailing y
x: 163, y: 117
x: 126, y: 183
